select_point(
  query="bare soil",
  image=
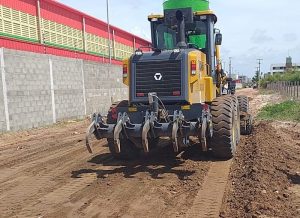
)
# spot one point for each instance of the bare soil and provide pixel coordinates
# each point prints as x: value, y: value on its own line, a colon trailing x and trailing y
x: 265, y: 179
x: 48, y: 173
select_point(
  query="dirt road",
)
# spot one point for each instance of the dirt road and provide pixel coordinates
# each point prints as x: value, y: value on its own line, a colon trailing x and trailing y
x: 48, y: 173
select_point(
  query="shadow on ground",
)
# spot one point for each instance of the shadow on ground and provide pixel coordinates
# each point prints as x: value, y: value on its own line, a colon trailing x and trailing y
x: 156, y: 164
x: 295, y: 179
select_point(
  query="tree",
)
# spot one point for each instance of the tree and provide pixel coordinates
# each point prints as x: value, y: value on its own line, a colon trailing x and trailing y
x: 256, y: 78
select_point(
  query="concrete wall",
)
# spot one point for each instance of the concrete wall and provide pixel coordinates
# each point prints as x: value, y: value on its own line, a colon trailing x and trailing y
x: 68, y: 88
x: 44, y: 89
x: 2, y: 109
x: 103, y: 85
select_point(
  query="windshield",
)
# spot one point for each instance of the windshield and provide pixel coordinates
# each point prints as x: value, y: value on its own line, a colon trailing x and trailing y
x: 166, y: 37
x: 196, y: 34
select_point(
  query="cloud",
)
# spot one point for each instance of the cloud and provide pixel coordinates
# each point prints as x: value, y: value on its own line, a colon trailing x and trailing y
x: 290, y: 37
x: 260, y: 36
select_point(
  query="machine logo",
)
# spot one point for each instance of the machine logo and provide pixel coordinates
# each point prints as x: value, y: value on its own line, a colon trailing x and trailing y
x: 158, y: 76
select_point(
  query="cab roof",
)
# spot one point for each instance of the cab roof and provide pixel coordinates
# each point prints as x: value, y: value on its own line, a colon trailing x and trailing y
x: 196, y: 13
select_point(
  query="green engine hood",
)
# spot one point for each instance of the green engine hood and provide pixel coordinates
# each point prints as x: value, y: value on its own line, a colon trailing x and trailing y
x: 196, y: 5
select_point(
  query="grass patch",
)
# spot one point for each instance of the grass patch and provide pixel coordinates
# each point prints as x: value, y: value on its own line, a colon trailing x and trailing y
x: 285, y: 111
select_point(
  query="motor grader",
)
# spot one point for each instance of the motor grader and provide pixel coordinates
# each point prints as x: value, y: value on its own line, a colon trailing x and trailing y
x: 176, y: 90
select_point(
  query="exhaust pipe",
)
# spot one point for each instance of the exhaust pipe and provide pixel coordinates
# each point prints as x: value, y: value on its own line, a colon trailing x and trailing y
x: 181, y: 29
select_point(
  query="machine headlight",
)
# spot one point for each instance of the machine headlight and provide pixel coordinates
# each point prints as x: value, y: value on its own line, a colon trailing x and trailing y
x: 176, y: 50
x: 139, y: 52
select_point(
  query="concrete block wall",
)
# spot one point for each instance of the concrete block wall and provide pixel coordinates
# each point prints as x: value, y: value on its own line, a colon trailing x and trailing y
x: 44, y: 89
x: 103, y: 85
x: 2, y: 110
x: 68, y: 88
x: 28, y: 89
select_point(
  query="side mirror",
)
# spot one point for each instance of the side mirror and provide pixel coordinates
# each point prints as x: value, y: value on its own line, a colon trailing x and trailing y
x: 219, y: 39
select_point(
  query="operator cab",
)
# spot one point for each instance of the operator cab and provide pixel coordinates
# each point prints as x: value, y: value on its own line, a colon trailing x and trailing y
x: 184, y: 53
x: 185, y: 29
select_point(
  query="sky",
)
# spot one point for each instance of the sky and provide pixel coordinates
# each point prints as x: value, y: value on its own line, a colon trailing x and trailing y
x: 252, y: 29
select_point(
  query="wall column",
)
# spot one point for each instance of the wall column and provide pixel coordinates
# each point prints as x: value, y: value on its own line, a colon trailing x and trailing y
x: 52, y: 90
x: 39, y: 23
x: 5, y: 101
x: 83, y: 87
x: 114, y: 44
x: 84, y: 34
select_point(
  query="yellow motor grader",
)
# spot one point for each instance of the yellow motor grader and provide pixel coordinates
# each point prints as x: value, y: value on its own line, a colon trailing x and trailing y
x: 176, y: 91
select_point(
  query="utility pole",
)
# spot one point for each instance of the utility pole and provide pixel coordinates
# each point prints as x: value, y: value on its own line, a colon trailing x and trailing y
x: 108, y: 31
x: 259, y: 65
x: 230, y: 67
x: 224, y: 66
x: 257, y: 75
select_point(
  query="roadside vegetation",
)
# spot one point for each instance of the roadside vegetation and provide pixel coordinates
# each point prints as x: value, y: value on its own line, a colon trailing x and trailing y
x: 266, y: 92
x: 285, y: 111
x: 293, y: 76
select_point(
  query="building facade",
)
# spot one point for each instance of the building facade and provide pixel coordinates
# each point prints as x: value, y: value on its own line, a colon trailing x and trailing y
x: 282, y: 68
x: 47, y: 26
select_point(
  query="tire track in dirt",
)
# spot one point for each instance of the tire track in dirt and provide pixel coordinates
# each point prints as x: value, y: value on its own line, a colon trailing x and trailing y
x: 158, y: 186
x: 52, y: 159
x: 209, y: 198
x: 52, y: 179
x: 28, y: 182
x: 55, y: 183
x: 37, y: 149
x: 17, y: 147
x: 60, y: 195
x: 208, y: 201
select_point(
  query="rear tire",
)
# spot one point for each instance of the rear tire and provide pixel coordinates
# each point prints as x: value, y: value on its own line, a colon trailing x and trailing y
x: 224, y: 116
x: 243, y: 103
x: 245, y: 108
x: 128, y: 150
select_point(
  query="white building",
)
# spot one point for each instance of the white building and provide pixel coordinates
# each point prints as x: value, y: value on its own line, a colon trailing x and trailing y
x: 281, y: 68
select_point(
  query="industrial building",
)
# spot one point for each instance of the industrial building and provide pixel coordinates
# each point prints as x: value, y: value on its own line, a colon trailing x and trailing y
x: 47, y: 26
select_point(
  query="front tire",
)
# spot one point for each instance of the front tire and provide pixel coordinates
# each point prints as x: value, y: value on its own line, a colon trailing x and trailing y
x: 224, y: 141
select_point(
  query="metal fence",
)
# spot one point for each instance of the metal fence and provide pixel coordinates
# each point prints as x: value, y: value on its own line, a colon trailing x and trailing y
x: 290, y: 89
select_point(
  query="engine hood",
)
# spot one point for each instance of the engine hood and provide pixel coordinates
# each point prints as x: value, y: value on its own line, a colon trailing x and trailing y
x: 161, y: 55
